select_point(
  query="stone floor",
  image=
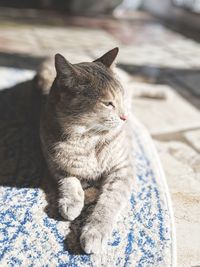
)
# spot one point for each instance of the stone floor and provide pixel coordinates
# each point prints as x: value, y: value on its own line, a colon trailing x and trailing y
x: 156, y: 58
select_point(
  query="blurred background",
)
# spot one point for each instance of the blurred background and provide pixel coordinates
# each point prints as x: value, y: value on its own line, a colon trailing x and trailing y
x: 159, y: 52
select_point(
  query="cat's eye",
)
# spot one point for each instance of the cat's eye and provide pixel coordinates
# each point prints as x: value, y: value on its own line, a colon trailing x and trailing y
x: 109, y: 104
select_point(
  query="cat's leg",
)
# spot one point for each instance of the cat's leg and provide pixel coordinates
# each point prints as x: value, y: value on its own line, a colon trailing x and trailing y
x: 116, y: 192
x: 71, y: 198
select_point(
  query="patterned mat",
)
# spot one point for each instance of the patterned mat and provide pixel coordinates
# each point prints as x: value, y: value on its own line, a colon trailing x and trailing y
x: 31, y: 231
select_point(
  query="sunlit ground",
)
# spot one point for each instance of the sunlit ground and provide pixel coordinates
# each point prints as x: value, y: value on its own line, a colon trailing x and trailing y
x: 156, y: 57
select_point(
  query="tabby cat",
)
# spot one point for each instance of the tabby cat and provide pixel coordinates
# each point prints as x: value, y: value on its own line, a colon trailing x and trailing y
x: 85, y: 137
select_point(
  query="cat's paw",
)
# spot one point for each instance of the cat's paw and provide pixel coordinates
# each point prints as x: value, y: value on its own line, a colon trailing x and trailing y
x: 71, y: 206
x: 93, y: 240
x: 70, y: 209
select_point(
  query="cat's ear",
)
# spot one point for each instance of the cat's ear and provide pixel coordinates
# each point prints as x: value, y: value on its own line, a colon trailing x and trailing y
x: 63, y: 66
x: 108, y: 58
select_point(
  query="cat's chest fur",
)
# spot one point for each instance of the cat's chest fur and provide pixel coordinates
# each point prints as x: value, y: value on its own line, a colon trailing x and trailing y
x: 85, y: 158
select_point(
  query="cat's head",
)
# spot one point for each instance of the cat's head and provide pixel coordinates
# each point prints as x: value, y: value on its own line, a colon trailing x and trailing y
x: 88, y: 94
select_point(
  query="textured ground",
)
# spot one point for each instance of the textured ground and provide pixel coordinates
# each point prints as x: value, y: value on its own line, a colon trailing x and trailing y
x: 157, y: 58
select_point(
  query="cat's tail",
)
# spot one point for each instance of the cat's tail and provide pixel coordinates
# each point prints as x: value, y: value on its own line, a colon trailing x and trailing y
x: 41, y: 85
x: 44, y: 77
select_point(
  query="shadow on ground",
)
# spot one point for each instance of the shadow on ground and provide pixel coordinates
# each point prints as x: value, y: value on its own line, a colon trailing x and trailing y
x: 20, y: 61
x: 184, y: 81
x: 21, y: 161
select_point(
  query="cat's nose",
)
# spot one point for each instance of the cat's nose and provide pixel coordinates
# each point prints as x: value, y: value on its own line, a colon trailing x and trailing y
x: 124, y: 117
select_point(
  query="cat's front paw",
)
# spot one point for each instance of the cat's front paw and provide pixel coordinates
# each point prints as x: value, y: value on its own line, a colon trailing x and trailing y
x: 70, y: 207
x: 93, y: 240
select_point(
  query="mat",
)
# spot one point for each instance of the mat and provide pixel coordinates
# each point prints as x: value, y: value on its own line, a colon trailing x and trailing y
x: 32, y: 233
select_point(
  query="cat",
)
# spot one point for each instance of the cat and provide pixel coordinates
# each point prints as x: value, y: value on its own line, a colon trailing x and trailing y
x: 84, y: 132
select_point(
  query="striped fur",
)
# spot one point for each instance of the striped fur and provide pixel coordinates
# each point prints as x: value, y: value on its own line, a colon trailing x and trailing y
x: 83, y: 138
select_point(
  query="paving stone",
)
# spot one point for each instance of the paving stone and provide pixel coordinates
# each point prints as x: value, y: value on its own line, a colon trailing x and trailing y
x: 193, y: 137
x: 184, y: 46
x: 20, y: 40
x: 178, y: 51
x: 74, y: 37
x: 181, y: 165
x: 150, y: 55
x: 146, y: 55
x: 45, y: 39
x: 173, y: 114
